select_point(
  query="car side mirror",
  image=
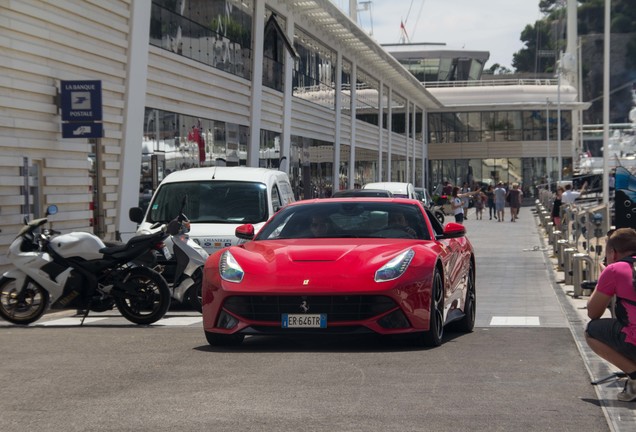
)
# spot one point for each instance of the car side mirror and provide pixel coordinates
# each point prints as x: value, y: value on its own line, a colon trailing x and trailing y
x: 454, y: 230
x: 136, y: 214
x: 245, y: 232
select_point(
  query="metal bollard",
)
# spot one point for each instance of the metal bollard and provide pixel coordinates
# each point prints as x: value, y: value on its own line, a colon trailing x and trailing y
x: 556, y: 235
x: 581, y: 270
x: 545, y: 218
x: 562, y: 245
x: 568, y: 264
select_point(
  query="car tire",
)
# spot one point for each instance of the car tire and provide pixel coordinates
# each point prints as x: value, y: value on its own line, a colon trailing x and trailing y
x: 433, y: 337
x: 467, y: 323
x: 216, y: 339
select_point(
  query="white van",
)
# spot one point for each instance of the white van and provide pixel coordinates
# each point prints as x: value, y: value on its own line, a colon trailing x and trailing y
x: 218, y: 200
x: 398, y: 189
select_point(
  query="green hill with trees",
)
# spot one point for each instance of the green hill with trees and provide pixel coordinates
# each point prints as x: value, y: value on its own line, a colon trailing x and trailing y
x: 545, y: 38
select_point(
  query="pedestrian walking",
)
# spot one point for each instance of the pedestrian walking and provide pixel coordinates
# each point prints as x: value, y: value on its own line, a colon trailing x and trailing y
x: 556, y: 208
x: 457, y: 203
x: 465, y: 191
x: 490, y: 200
x: 480, y: 203
x: 500, y: 201
x: 513, y: 198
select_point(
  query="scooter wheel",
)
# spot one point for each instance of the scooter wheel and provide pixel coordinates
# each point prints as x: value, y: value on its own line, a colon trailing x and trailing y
x: 145, y: 298
x: 193, y: 295
x: 22, y: 306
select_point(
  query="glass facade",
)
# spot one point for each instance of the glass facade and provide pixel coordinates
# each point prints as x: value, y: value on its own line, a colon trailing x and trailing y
x: 215, y: 32
x: 451, y: 127
x: 444, y: 68
x: 311, y: 167
x: 528, y: 172
x: 179, y: 142
x: 273, y: 52
x: 314, y: 71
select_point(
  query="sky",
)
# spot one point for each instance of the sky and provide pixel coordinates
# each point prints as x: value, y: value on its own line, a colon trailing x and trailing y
x: 475, y: 25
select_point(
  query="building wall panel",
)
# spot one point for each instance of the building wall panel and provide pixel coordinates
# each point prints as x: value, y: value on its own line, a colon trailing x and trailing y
x: 42, y: 43
x: 312, y: 120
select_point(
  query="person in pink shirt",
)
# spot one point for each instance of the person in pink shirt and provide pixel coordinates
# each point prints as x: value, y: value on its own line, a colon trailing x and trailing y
x: 614, y: 339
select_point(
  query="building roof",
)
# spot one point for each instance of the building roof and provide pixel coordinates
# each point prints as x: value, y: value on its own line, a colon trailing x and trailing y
x: 331, y: 21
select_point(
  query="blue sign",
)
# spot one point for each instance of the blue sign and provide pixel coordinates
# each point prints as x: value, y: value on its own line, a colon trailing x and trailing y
x: 82, y: 130
x: 81, y: 101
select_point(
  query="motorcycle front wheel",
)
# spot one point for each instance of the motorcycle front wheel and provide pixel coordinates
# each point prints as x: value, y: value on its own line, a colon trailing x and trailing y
x: 22, y: 307
x: 144, y: 298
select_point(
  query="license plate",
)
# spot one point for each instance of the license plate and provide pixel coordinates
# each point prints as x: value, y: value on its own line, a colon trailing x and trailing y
x: 304, y: 321
x: 166, y: 252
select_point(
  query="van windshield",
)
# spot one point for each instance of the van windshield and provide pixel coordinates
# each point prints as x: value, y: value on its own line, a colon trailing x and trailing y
x: 216, y: 201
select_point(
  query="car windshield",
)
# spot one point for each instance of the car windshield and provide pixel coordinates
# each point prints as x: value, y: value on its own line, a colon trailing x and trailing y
x: 360, y: 219
x: 215, y: 201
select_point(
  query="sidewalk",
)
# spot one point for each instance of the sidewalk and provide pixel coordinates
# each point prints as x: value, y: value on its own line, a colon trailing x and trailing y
x: 621, y: 416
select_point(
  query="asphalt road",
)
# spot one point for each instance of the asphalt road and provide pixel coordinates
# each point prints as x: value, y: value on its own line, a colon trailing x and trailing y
x: 112, y: 378
x: 520, y: 370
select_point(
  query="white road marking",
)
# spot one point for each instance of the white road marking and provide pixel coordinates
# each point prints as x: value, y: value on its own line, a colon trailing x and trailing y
x: 70, y: 321
x: 179, y: 321
x: 514, y: 321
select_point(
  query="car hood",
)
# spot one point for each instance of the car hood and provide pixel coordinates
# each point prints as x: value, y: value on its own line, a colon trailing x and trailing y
x: 328, y: 264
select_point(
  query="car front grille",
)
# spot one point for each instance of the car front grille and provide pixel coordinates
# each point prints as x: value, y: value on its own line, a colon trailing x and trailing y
x: 337, y: 307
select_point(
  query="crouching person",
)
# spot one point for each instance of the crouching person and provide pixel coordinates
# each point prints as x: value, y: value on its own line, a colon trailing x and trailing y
x: 614, y: 339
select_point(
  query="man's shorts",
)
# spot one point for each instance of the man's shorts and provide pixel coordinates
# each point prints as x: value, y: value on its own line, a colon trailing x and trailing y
x: 608, y: 331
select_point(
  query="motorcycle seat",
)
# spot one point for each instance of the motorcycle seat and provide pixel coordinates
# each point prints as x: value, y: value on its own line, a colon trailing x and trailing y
x: 130, y: 249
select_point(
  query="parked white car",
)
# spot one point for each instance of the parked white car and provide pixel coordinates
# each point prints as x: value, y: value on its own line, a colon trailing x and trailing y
x: 398, y: 189
x: 218, y: 200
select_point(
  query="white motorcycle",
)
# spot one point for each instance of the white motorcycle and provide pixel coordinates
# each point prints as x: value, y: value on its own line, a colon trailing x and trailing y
x: 77, y: 271
x: 183, y: 267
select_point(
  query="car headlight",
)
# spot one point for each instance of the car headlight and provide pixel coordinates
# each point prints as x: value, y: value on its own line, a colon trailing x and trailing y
x: 229, y: 269
x: 395, y: 268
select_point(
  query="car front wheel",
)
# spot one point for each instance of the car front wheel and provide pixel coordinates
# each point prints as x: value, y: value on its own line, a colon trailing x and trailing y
x: 433, y: 337
x: 467, y: 323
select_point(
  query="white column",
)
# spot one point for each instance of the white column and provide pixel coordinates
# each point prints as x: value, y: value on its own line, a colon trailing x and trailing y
x: 424, y: 149
x: 572, y: 73
x: 413, y: 119
x: 378, y: 177
x: 407, y: 126
x: 354, y: 103
x: 134, y: 106
x: 390, y: 135
x: 353, y: 10
x: 287, y: 98
x: 257, y: 83
x: 338, y: 122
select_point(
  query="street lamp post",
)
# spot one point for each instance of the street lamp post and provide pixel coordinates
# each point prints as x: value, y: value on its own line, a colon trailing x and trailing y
x: 606, y: 96
x: 560, y: 161
x: 547, y: 140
